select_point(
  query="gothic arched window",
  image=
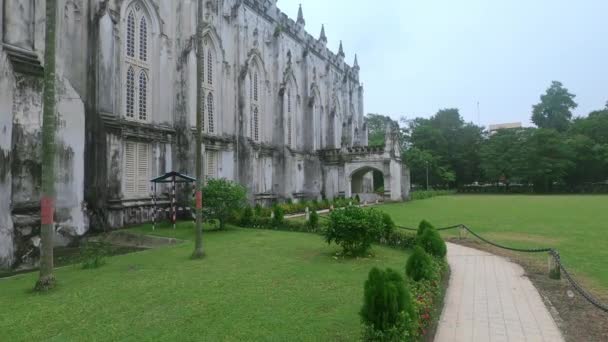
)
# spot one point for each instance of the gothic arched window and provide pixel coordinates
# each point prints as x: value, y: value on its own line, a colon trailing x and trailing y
x: 209, y: 86
x: 130, y: 110
x: 143, y: 39
x: 131, y: 34
x: 289, y: 119
x: 143, y: 96
x: 137, y: 63
x: 255, y: 108
x: 210, y: 119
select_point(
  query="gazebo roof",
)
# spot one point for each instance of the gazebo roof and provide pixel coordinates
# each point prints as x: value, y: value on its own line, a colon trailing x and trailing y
x: 168, y: 178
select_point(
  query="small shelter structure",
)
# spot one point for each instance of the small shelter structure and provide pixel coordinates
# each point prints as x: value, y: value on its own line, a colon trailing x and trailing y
x: 174, y: 178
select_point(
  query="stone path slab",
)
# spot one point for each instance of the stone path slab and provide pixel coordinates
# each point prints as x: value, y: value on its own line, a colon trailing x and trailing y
x: 490, y: 299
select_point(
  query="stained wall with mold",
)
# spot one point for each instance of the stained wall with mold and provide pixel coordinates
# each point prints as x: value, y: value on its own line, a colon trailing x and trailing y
x: 21, y: 88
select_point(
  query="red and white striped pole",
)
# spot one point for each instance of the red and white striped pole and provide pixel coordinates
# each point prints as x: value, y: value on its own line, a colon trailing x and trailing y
x: 173, y: 204
x: 154, y: 202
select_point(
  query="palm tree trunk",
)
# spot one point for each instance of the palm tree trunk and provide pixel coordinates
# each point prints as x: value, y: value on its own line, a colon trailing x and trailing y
x: 198, y: 245
x: 46, y: 280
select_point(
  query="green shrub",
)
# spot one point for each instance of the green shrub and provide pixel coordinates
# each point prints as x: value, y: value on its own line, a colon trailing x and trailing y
x: 424, y: 224
x: 313, y: 220
x: 388, y: 225
x: 428, y: 295
x: 246, y: 217
x: 279, y: 216
x: 432, y: 243
x: 419, y: 265
x: 388, y: 311
x: 93, y: 254
x: 221, y: 199
x: 400, y: 239
x: 354, y: 229
x: 424, y: 194
x: 357, y: 199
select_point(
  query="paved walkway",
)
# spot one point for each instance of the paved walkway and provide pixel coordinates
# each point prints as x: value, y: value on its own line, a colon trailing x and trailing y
x: 490, y: 299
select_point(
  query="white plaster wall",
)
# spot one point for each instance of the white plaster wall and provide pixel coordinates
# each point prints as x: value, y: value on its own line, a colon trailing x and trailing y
x: 70, y: 138
x: 6, y: 126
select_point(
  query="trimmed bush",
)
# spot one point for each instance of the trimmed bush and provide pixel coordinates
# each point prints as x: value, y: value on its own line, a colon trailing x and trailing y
x: 423, y: 194
x: 354, y: 229
x: 313, y: 220
x: 388, y: 311
x: 432, y: 243
x: 419, y: 265
x: 389, y: 225
x: 222, y: 198
x: 246, y: 217
x: 279, y: 216
x: 424, y: 224
x: 400, y: 239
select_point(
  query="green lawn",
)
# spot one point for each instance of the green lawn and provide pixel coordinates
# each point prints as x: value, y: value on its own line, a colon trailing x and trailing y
x: 253, y: 285
x: 576, y: 225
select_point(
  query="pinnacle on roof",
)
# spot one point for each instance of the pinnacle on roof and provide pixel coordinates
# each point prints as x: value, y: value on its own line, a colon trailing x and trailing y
x: 301, y: 20
x: 323, y: 37
x: 341, y: 50
x: 356, y: 63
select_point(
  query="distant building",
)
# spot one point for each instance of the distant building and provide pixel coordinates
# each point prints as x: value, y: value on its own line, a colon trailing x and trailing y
x: 495, y: 128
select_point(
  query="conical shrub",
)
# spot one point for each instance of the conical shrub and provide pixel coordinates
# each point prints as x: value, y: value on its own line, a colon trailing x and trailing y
x: 419, y: 265
x: 432, y: 243
x: 386, y: 300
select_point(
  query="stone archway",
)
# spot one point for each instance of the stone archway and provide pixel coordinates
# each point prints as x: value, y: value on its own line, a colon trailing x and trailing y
x: 363, y: 183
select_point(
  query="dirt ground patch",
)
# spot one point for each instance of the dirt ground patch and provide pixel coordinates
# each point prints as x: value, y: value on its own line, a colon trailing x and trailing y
x: 576, y: 317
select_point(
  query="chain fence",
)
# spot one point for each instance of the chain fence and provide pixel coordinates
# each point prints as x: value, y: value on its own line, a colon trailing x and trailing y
x: 553, y: 252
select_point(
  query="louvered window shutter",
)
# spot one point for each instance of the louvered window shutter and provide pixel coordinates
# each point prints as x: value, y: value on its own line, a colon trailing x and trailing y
x: 130, y: 168
x: 143, y: 169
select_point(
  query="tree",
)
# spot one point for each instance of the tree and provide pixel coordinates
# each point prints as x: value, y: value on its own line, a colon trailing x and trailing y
x: 198, y: 241
x: 587, y: 164
x: 447, y: 145
x: 222, y: 199
x: 555, y: 108
x: 499, y: 154
x: 545, y: 158
x: 46, y: 280
x: 594, y: 126
x: 376, y: 126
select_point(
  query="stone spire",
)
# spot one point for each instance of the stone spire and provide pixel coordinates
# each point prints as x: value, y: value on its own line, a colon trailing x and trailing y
x: 341, y: 51
x: 356, y: 63
x: 301, y: 20
x: 323, y: 37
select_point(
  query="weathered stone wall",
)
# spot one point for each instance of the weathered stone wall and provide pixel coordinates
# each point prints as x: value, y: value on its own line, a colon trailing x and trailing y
x: 6, y: 128
x: 247, y: 36
x: 22, y: 34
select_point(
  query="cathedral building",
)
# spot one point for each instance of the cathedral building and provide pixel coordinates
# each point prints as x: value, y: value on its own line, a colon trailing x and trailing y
x: 283, y: 115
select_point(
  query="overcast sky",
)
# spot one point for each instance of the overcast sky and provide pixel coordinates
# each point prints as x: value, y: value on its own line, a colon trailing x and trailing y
x: 418, y: 56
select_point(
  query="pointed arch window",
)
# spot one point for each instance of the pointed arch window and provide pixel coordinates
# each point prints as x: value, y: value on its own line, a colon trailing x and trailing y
x: 289, y: 119
x: 256, y: 130
x: 130, y: 110
x: 255, y: 108
x: 143, y: 96
x: 143, y: 39
x: 131, y: 34
x: 137, y: 63
x: 209, y: 87
x: 209, y: 68
x: 255, y: 86
x: 210, y: 113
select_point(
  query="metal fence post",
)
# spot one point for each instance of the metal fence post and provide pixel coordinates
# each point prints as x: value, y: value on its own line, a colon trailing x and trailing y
x: 554, y: 270
x: 462, y: 233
